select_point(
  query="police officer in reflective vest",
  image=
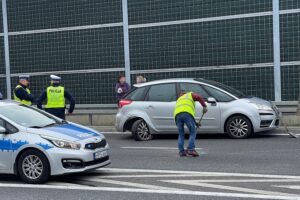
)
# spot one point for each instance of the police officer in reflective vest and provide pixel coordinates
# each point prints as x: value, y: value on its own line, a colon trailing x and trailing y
x: 184, y: 114
x: 22, y: 93
x: 56, y: 95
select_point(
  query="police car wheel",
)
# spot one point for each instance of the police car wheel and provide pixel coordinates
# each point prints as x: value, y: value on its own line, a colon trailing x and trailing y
x: 238, y: 127
x: 140, y: 131
x: 33, y: 167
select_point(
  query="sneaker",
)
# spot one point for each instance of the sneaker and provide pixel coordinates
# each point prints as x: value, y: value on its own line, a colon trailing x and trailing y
x: 192, y: 153
x: 182, y: 153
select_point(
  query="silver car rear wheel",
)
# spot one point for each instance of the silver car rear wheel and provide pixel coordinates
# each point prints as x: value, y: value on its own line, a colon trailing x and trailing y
x: 140, y: 131
x: 238, y: 127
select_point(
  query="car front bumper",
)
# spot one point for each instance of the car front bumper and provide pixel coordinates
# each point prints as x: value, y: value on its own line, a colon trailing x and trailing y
x: 65, y: 161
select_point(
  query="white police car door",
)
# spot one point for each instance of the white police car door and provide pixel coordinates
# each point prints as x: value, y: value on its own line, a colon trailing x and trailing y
x: 5, y: 149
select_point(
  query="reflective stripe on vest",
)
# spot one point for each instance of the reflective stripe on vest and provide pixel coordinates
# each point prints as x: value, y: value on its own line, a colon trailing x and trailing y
x: 17, y: 99
x: 55, y: 97
x: 185, y: 103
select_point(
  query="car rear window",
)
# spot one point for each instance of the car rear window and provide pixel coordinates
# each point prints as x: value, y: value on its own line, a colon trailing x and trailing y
x: 137, y: 94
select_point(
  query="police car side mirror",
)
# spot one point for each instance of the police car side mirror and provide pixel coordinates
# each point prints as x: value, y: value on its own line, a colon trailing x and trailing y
x: 3, y: 130
x: 212, y: 101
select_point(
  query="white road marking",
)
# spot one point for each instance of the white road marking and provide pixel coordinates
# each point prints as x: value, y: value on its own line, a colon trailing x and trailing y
x: 240, y: 180
x: 121, y: 170
x: 136, y: 190
x: 130, y: 184
x: 158, y: 148
x: 223, y: 187
x: 293, y: 187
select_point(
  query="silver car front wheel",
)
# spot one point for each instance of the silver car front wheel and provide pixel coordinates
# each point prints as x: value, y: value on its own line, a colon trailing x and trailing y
x: 238, y: 127
x: 140, y: 131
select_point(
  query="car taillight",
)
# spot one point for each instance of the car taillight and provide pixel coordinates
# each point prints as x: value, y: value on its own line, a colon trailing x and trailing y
x: 123, y: 103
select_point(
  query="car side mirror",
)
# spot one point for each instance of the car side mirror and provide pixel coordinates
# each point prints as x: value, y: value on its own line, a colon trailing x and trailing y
x: 212, y: 101
x: 3, y: 130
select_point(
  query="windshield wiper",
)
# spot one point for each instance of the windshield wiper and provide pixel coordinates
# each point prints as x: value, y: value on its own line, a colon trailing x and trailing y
x: 52, y: 124
x: 35, y: 127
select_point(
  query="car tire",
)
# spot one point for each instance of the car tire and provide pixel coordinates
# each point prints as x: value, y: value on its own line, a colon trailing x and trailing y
x: 33, y: 167
x: 140, y: 131
x: 238, y: 127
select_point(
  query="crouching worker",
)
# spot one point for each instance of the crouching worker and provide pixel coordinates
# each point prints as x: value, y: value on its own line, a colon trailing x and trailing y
x: 55, y: 95
x: 184, y: 114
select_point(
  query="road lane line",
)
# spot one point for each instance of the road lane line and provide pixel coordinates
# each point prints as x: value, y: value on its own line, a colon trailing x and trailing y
x: 136, y: 190
x: 158, y: 148
x: 130, y: 184
x: 126, y: 170
x: 241, y: 180
x: 224, y: 187
x: 293, y: 187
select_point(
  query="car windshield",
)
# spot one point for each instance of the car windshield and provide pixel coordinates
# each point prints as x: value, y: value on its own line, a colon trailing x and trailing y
x: 27, y: 116
x: 226, y: 88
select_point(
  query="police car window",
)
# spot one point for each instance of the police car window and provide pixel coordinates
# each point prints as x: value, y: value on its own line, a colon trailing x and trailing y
x: 162, y: 92
x: 2, y: 123
x: 217, y: 94
x: 191, y: 87
x: 10, y: 128
x: 137, y: 95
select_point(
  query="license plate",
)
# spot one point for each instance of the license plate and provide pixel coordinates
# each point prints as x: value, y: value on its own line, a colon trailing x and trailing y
x: 100, y: 154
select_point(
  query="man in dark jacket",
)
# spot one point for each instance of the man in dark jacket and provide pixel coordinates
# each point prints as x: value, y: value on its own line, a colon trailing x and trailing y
x: 56, y: 95
x: 22, y: 93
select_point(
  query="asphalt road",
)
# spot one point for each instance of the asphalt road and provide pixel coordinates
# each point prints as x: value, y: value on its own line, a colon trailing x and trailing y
x: 262, y: 167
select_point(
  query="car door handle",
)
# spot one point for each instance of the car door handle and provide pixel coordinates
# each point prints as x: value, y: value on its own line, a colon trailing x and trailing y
x: 149, y: 107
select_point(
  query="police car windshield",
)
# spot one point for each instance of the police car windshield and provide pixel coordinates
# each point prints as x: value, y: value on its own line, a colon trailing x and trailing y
x: 27, y: 116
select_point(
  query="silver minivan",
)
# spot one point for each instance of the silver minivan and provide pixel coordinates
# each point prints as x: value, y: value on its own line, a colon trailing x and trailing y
x: 148, y: 109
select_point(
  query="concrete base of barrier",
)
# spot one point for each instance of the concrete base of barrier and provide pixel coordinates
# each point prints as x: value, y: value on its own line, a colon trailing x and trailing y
x: 291, y: 120
x: 92, y: 119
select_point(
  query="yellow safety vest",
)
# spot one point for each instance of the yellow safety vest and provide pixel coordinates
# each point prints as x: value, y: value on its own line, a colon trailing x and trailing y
x: 17, y: 99
x: 55, y: 97
x: 185, y: 103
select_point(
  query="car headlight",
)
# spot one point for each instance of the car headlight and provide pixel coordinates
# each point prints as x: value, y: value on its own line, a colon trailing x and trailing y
x: 262, y: 107
x: 62, y: 143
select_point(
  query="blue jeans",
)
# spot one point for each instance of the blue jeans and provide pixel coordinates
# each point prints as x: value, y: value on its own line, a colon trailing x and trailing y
x: 189, y: 121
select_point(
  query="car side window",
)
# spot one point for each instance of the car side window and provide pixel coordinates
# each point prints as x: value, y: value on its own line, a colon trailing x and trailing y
x: 137, y: 95
x: 217, y: 94
x: 192, y: 87
x: 10, y: 128
x: 162, y: 92
x: 2, y: 123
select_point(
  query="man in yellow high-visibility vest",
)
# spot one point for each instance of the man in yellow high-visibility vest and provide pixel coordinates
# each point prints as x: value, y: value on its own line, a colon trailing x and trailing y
x: 22, y: 93
x: 56, y: 95
x: 184, y: 114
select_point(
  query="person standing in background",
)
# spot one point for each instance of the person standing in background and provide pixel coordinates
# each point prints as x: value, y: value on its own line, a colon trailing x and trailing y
x: 1, y: 96
x: 121, y: 87
x: 140, y: 79
x: 22, y: 93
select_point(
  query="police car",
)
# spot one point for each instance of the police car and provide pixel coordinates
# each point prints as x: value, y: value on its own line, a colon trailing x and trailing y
x: 35, y: 145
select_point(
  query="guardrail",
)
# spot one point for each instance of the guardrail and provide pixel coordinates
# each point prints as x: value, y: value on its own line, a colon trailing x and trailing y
x: 104, y: 114
x: 286, y: 107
